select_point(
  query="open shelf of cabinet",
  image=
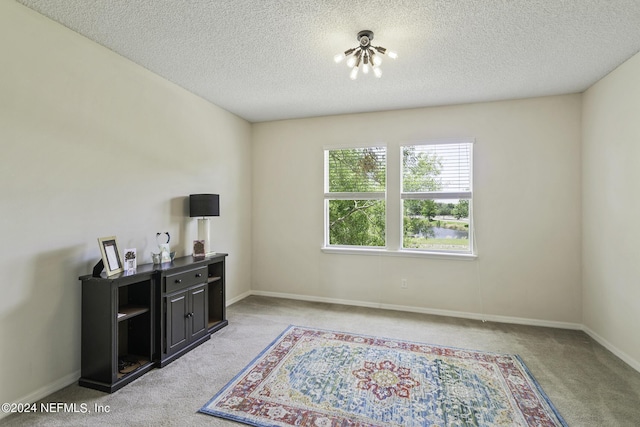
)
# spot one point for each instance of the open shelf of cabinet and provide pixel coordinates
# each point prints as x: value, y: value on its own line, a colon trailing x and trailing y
x: 217, y: 301
x: 130, y: 311
x: 117, y: 329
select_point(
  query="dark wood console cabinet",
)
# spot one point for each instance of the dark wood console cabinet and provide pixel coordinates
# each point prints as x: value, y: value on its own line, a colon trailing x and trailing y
x: 191, y: 302
x: 132, y: 323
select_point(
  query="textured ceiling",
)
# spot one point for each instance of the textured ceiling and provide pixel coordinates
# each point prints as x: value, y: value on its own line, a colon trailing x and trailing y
x: 268, y: 60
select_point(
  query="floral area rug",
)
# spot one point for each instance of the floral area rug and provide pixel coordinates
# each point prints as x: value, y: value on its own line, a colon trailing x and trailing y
x: 310, y: 377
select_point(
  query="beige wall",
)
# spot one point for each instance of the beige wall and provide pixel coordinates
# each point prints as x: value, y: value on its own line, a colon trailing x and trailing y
x: 527, y: 213
x: 611, y: 177
x: 93, y: 145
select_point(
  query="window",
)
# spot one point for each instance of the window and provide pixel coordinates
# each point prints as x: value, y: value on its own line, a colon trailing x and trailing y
x: 431, y: 196
x: 355, y: 190
x: 436, y: 197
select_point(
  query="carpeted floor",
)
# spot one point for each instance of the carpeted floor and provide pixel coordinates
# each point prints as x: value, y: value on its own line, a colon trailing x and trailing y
x: 588, y: 385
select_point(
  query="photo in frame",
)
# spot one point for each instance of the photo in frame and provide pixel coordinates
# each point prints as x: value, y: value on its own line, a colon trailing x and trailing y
x: 198, y: 249
x: 110, y: 255
x: 130, y: 260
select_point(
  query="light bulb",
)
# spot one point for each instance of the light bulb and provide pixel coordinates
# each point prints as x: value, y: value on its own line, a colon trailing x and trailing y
x: 351, y: 61
x: 377, y: 60
x: 354, y: 73
x: 338, y: 58
x: 365, y: 68
x: 392, y: 54
x: 377, y: 71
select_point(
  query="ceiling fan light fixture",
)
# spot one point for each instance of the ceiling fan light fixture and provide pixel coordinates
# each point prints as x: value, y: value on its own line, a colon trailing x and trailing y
x: 365, y: 53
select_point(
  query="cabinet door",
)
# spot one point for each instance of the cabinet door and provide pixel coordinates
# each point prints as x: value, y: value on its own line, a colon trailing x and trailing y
x: 177, y: 317
x: 199, y: 310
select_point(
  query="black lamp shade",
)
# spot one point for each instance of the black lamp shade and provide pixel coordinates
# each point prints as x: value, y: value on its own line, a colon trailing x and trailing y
x: 204, y: 205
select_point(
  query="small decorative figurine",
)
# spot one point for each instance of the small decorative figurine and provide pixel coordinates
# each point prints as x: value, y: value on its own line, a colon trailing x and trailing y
x: 165, y: 251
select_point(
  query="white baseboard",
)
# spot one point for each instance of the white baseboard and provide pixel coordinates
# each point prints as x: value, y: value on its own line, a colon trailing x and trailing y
x: 613, y: 349
x: 449, y: 313
x: 45, y: 391
x: 238, y: 298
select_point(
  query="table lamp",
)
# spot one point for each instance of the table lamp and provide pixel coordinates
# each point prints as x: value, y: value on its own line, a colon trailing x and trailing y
x: 202, y: 206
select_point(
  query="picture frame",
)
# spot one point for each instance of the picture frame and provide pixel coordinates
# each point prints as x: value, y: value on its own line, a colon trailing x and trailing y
x: 198, y: 249
x: 110, y: 255
x: 130, y: 260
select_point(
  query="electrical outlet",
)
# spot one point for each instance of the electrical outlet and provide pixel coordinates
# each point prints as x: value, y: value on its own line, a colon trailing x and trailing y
x: 403, y: 284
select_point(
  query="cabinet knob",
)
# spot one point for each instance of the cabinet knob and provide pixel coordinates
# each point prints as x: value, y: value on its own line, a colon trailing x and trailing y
x: 178, y: 281
x: 199, y: 275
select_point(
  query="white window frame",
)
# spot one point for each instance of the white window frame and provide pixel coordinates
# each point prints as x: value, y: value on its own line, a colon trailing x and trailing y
x: 394, y: 227
x: 438, y: 195
x: 369, y: 195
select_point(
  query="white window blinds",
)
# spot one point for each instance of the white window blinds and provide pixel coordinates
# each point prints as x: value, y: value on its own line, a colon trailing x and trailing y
x: 429, y: 171
x: 355, y: 171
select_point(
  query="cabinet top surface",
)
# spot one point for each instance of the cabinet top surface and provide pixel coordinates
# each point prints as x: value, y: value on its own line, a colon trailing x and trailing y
x: 189, y: 260
x: 148, y: 269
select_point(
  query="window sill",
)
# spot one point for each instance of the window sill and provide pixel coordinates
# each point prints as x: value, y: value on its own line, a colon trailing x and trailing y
x: 400, y: 253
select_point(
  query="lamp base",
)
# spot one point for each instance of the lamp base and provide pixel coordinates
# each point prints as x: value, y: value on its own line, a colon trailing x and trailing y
x: 204, y: 233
